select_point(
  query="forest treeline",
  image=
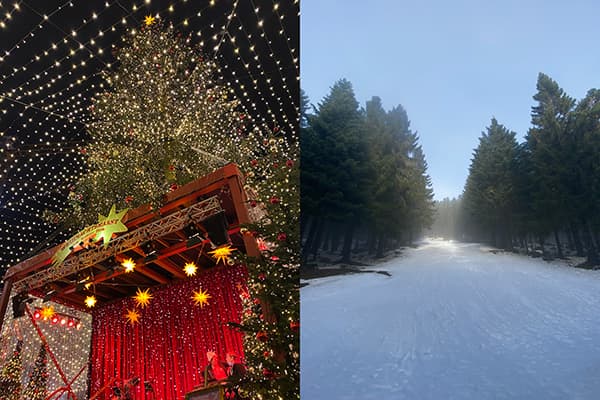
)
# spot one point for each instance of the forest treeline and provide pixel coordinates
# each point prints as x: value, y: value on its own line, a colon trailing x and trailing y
x: 541, y: 195
x: 364, y: 178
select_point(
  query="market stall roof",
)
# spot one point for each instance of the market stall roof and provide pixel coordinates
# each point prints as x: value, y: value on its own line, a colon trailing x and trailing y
x: 195, y: 220
x: 51, y: 56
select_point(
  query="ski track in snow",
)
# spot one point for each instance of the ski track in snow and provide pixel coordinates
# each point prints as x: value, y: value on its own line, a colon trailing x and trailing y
x: 454, y: 321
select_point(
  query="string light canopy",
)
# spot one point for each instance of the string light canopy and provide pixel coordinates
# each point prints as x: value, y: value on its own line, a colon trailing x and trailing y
x: 51, y: 58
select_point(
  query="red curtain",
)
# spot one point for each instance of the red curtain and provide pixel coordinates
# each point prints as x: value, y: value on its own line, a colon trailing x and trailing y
x: 168, y: 345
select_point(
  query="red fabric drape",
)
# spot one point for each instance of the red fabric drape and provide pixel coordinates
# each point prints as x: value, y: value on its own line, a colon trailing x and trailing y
x: 168, y: 346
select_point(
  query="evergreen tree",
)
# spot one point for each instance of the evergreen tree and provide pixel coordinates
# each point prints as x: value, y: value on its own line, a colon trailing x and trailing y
x: 304, y: 109
x: 10, y: 376
x: 489, y: 191
x: 547, y: 141
x: 362, y: 171
x: 271, y: 318
x: 584, y: 178
x: 334, y: 166
x: 420, y: 193
x: 161, y: 121
x: 38, y: 378
x: 389, y: 163
x: 525, y: 218
x: 554, y: 181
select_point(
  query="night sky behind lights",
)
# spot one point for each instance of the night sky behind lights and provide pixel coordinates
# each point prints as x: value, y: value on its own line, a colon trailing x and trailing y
x: 51, y: 56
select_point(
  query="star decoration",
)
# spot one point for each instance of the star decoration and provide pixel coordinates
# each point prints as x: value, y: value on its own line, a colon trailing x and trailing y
x: 128, y: 264
x: 47, y: 313
x: 132, y: 316
x: 90, y: 301
x: 149, y: 20
x: 201, y: 298
x: 190, y: 269
x: 142, y: 297
x: 221, y: 253
x: 112, y: 224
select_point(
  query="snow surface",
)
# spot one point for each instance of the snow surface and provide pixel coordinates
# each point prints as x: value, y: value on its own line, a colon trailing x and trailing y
x: 454, y: 321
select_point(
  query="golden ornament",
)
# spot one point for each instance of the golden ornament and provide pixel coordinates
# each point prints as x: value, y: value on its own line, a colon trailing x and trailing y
x: 142, y: 297
x: 190, y: 269
x: 221, y: 253
x: 132, y: 316
x: 128, y: 264
x: 47, y: 313
x: 201, y: 298
x: 90, y: 301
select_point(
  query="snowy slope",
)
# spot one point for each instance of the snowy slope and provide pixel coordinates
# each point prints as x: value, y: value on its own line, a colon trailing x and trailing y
x: 453, y: 322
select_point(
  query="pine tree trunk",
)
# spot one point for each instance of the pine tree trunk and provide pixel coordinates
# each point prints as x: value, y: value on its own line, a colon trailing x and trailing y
x: 317, y: 240
x: 494, y: 240
x: 371, y: 242
x: 558, y: 247
x: 335, y: 240
x: 570, y: 243
x: 380, y: 245
x: 325, y: 235
x: 304, y: 221
x: 597, y: 239
x: 577, y: 240
x: 346, y: 250
x: 308, y: 243
x: 357, y: 242
x: 592, y: 252
x: 506, y: 238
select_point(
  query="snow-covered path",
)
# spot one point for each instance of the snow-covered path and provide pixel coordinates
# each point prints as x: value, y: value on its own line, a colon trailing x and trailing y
x: 453, y: 322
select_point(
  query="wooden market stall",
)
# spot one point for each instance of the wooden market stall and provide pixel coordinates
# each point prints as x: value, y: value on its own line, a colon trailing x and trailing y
x: 195, y: 219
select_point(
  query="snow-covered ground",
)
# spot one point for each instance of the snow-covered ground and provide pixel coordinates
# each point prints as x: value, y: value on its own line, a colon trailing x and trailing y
x: 453, y: 322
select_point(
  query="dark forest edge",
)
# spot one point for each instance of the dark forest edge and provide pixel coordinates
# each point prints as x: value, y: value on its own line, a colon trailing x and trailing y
x: 542, y: 196
x: 365, y: 189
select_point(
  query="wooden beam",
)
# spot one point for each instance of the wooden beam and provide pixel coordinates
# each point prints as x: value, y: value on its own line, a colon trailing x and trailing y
x: 239, y: 203
x: 165, y: 264
x: 140, y: 268
x: 8, y: 283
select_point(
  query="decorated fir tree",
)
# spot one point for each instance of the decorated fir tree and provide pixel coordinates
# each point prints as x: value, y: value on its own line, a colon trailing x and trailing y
x: 271, y: 320
x: 159, y: 124
x: 38, y: 378
x: 10, y: 377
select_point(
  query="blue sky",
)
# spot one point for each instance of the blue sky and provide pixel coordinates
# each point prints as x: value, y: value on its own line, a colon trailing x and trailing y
x: 453, y: 65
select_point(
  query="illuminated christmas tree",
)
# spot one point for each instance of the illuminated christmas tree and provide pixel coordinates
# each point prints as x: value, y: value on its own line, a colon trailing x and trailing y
x: 38, y: 378
x: 271, y: 320
x: 159, y: 124
x: 10, y: 377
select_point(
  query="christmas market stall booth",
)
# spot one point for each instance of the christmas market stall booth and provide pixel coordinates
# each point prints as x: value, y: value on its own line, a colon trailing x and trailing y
x: 134, y: 302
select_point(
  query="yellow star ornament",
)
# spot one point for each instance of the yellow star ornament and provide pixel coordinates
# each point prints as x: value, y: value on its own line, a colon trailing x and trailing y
x: 201, y: 298
x: 149, y: 20
x: 47, y: 313
x: 142, y: 297
x: 221, y: 253
x: 90, y: 301
x: 111, y: 224
x: 190, y: 269
x: 132, y: 316
x: 128, y: 264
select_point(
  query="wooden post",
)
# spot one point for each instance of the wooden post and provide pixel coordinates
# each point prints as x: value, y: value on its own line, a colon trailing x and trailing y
x: 8, y: 283
x: 239, y: 202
